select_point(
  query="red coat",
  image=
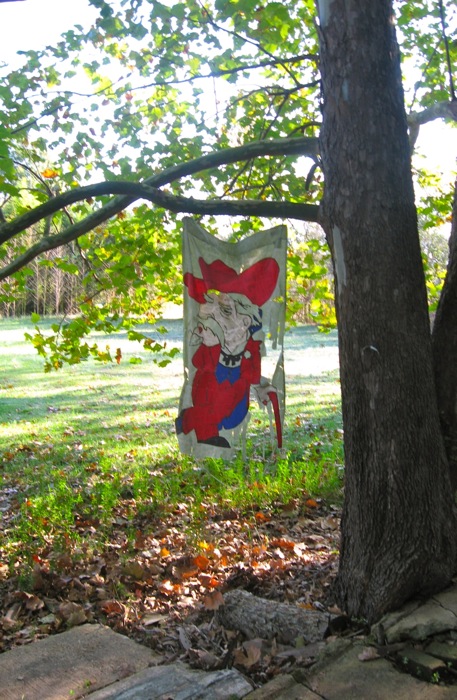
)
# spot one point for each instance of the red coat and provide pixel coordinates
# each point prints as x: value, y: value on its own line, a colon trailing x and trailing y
x: 214, y: 401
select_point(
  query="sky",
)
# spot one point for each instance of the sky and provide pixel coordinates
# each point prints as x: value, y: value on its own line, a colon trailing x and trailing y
x: 32, y: 24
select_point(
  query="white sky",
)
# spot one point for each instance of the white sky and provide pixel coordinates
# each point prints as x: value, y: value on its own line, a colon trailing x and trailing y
x: 32, y: 24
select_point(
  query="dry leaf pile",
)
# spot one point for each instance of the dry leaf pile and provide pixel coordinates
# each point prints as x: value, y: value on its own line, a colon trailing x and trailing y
x: 163, y: 586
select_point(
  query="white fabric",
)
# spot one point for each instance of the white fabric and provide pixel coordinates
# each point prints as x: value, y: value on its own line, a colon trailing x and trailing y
x: 226, y: 284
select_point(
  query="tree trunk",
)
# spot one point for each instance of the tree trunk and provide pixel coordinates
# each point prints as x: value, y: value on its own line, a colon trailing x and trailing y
x: 265, y: 619
x: 444, y: 341
x: 398, y: 521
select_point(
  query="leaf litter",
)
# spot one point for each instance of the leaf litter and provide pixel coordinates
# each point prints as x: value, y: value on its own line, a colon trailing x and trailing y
x: 163, y: 585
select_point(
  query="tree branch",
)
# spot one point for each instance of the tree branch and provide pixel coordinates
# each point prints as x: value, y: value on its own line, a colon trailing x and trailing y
x: 149, y: 190
x: 275, y: 147
x: 243, y: 207
x: 439, y: 110
x: 446, y: 47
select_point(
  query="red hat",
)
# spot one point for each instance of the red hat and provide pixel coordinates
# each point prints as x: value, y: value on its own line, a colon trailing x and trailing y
x: 257, y: 282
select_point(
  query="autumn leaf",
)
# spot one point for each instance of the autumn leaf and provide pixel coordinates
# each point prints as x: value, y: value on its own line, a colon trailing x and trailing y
x: 32, y: 602
x: 368, y: 654
x: 184, y: 567
x: 169, y: 588
x: 329, y: 523
x: 201, y: 562
x: 311, y: 503
x: 208, y: 581
x: 134, y: 569
x: 257, y: 550
x: 49, y: 173
x: 249, y: 653
x: 284, y: 544
x: 112, y: 607
x: 206, y: 546
x: 72, y: 613
x: 154, y: 619
x: 213, y: 601
x: 118, y: 356
x: 140, y: 540
x: 204, y: 659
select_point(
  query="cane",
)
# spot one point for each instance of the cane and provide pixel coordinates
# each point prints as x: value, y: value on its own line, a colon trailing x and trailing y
x: 272, y: 395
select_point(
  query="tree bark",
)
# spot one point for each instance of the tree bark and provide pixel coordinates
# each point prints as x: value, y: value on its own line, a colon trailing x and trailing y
x: 398, y: 521
x: 268, y: 619
x: 444, y: 341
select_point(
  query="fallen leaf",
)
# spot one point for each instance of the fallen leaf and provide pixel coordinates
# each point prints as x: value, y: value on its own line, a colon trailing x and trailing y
x: 213, y: 600
x: 329, y: 523
x: 205, y: 660
x: 112, y: 607
x: 249, y: 653
x: 184, y: 639
x: 154, y: 619
x: 208, y: 581
x: 72, y: 613
x: 185, y: 567
x: 134, y: 570
x: 283, y: 544
x: 32, y: 602
x: 169, y: 588
x: 368, y: 654
x: 201, y: 562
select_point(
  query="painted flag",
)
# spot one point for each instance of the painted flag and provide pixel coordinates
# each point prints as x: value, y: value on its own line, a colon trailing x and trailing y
x: 234, y: 299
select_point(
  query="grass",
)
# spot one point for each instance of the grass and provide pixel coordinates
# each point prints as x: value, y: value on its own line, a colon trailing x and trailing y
x: 92, y: 448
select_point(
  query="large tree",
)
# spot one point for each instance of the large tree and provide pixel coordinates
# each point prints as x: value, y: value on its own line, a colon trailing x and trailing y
x: 398, y: 528
x: 271, y: 68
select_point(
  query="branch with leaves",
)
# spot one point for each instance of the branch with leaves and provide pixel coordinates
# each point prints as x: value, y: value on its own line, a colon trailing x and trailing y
x: 150, y: 191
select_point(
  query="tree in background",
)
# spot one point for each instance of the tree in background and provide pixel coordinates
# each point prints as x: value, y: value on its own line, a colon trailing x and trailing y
x: 248, y: 110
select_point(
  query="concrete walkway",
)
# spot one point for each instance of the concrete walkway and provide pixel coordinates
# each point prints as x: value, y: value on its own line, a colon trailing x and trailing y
x: 95, y: 662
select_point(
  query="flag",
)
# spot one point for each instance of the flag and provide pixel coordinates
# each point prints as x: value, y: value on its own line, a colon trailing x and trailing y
x: 234, y: 296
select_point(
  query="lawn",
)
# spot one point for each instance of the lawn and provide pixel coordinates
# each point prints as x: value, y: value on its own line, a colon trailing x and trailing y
x: 104, y: 520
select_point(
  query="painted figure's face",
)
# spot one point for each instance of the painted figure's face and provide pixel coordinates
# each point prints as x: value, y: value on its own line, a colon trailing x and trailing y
x: 221, y: 322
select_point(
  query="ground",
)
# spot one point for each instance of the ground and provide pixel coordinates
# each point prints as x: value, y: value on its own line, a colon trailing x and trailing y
x: 103, y: 521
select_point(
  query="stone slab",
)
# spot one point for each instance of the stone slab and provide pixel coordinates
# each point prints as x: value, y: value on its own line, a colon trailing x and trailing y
x: 177, y: 682
x: 70, y: 664
x: 347, y: 678
x: 446, y: 652
x: 422, y: 665
x: 427, y: 620
x: 448, y: 599
x: 283, y: 687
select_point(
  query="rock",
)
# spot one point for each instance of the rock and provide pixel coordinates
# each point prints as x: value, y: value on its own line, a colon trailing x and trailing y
x: 446, y: 652
x: 70, y: 664
x: 347, y: 678
x: 427, y: 620
x: 282, y: 688
x: 421, y: 665
x: 179, y: 682
x: 379, y: 630
x: 448, y: 599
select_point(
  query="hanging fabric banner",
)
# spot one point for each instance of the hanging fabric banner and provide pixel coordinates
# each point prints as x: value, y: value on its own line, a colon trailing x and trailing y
x: 234, y: 293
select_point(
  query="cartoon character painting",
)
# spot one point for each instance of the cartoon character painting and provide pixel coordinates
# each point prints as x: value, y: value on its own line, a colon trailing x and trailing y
x: 227, y: 342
